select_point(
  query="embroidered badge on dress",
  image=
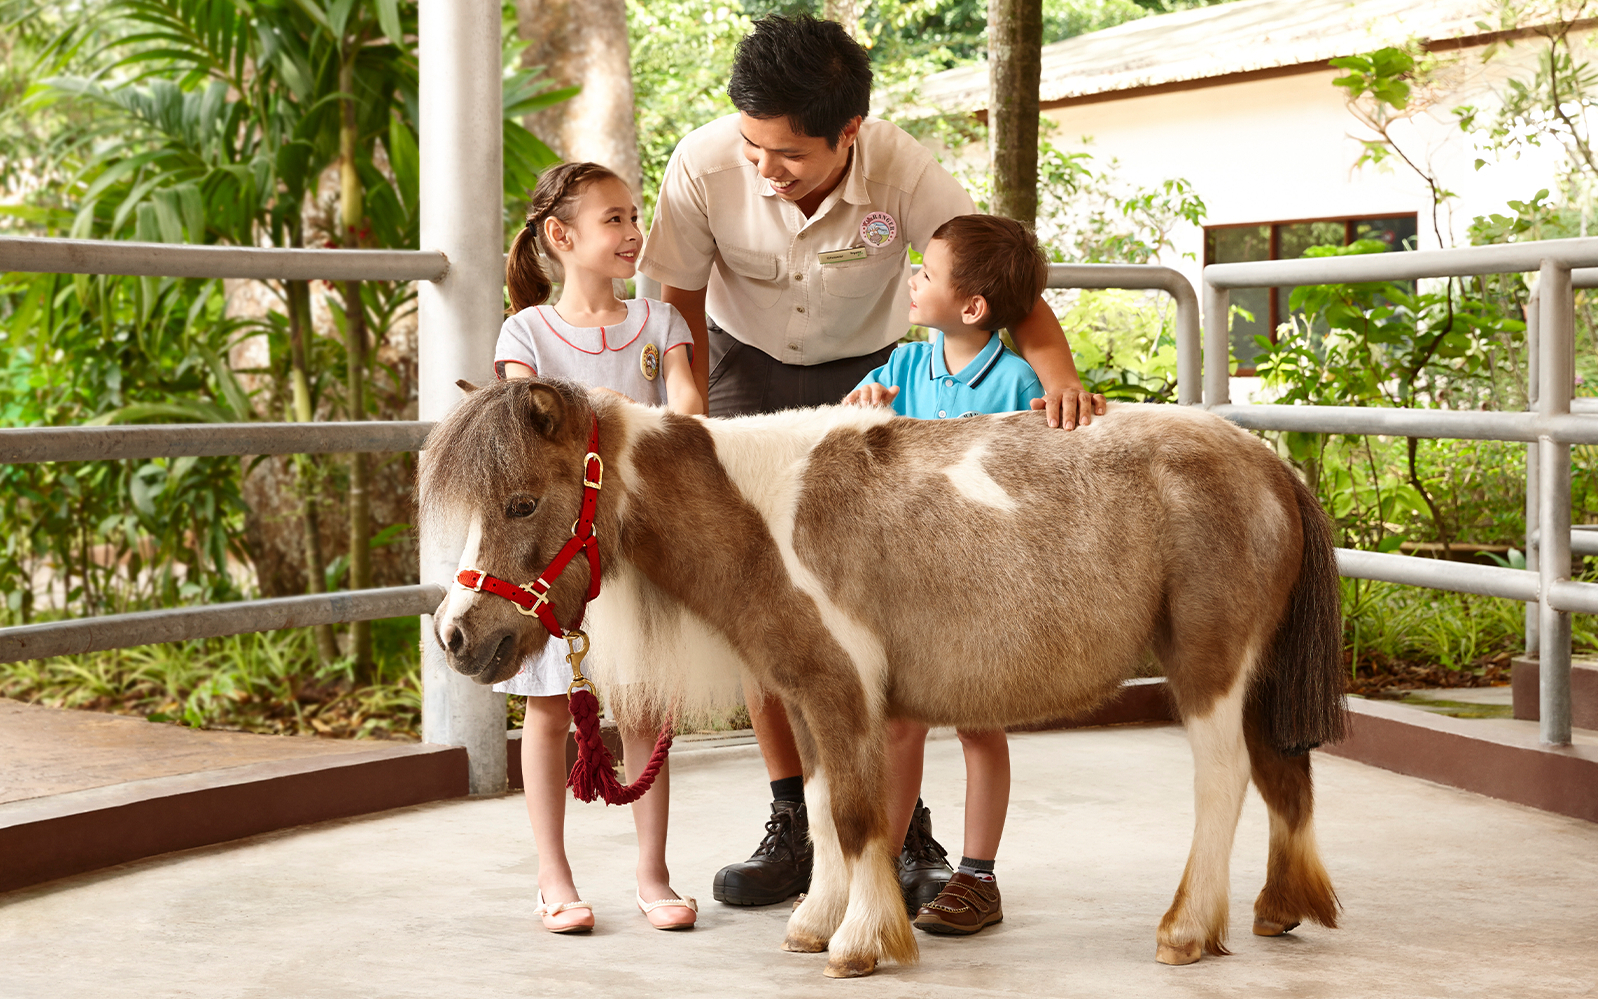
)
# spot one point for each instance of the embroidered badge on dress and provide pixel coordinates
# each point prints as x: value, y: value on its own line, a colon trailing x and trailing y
x: 649, y: 360
x: 879, y: 229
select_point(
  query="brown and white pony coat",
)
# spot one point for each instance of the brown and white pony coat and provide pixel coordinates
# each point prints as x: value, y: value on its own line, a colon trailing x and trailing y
x: 978, y: 572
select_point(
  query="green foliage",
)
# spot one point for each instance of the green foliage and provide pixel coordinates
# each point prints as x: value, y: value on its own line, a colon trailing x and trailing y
x: 1382, y: 74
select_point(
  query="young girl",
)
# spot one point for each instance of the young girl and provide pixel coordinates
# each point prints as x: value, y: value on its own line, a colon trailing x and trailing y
x: 583, y: 216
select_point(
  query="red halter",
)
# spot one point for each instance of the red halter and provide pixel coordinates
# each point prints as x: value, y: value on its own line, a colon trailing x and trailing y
x: 533, y: 598
x: 594, y: 773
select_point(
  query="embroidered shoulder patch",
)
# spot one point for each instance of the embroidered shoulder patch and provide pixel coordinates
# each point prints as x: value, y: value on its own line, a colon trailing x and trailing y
x: 879, y: 229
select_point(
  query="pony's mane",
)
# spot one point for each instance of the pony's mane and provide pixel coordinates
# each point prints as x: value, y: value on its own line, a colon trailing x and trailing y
x: 485, y: 444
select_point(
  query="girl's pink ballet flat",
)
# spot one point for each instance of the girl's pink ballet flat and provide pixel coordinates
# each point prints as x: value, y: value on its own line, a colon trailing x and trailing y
x: 566, y: 917
x: 670, y: 913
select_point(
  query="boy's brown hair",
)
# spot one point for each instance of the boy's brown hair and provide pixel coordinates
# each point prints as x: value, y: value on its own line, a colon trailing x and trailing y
x: 999, y: 259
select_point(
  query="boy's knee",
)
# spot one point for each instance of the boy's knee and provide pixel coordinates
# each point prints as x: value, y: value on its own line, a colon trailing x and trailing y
x: 902, y: 732
x: 988, y: 738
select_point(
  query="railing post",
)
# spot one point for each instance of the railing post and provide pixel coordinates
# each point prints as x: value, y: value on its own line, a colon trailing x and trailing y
x: 1189, y: 339
x: 1533, y: 504
x: 1556, y: 377
x: 459, y: 316
x: 1217, y: 346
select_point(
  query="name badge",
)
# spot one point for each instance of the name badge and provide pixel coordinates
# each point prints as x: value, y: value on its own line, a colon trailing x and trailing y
x: 839, y: 256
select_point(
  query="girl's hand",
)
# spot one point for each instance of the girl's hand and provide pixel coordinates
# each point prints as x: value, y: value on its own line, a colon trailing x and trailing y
x: 611, y: 391
x: 875, y: 394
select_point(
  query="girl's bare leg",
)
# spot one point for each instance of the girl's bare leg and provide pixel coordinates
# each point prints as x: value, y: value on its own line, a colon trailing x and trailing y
x: 987, y: 790
x: 544, y: 777
x: 907, y: 746
x: 649, y: 814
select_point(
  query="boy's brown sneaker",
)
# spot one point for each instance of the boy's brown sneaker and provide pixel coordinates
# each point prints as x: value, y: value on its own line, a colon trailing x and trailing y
x: 965, y: 905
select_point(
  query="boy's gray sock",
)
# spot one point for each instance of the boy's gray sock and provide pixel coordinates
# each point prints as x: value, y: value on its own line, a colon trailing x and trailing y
x: 982, y: 870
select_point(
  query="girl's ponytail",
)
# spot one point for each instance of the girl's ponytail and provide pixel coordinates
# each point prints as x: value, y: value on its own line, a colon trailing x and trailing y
x: 524, y: 274
x: 555, y: 197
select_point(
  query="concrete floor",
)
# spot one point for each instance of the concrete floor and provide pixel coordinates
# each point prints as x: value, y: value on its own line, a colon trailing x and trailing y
x: 1446, y: 894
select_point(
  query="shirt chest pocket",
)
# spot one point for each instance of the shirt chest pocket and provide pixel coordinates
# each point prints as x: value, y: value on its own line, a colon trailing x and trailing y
x: 755, y: 267
x: 861, y: 278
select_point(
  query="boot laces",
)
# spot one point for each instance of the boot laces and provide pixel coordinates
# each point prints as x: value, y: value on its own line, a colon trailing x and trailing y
x: 779, y: 838
x: 918, y: 842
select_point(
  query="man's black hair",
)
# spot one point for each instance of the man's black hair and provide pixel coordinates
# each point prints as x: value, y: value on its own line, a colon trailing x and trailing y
x: 808, y: 71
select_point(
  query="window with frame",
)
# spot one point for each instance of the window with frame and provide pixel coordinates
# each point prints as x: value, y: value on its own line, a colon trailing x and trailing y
x: 1267, y: 308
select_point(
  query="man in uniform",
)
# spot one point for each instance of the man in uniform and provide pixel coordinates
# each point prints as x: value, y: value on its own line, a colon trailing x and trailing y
x: 781, y: 234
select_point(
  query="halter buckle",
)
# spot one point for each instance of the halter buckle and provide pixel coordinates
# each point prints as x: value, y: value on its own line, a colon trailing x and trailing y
x: 598, y: 477
x: 540, y: 598
x: 482, y: 577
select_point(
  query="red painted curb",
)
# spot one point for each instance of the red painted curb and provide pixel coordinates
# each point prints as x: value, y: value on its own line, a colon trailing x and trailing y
x: 42, y: 839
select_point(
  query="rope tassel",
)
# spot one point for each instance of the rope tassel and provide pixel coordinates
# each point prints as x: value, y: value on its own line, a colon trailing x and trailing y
x: 594, y: 774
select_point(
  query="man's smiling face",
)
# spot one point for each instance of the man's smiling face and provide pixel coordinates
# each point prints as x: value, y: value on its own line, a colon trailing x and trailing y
x: 798, y: 167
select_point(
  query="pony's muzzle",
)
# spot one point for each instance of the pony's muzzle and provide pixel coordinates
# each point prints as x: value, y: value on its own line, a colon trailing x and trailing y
x: 489, y: 660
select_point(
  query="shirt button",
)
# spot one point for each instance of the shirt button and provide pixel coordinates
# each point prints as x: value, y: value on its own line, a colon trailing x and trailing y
x: 949, y: 382
x: 941, y: 414
x: 802, y: 235
x: 798, y: 277
x: 793, y: 346
x: 799, y: 308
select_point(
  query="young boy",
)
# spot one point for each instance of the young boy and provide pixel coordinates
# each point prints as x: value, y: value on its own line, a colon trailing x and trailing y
x: 980, y: 274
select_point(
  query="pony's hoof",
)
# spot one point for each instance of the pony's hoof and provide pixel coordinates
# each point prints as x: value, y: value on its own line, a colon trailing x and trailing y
x: 1185, y: 954
x: 797, y: 944
x: 852, y: 967
x: 1268, y: 928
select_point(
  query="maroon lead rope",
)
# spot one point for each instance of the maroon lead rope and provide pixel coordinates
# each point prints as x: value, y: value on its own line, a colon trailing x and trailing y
x: 594, y: 773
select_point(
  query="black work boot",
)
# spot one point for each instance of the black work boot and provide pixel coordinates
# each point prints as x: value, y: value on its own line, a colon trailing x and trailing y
x: 780, y: 867
x: 923, y: 869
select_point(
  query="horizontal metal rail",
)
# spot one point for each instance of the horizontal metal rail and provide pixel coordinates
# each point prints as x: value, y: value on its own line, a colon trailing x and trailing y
x: 28, y: 444
x: 96, y: 256
x: 1407, y: 266
x: 1465, y: 424
x: 1151, y: 277
x: 1463, y: 577
x: 118, y: 631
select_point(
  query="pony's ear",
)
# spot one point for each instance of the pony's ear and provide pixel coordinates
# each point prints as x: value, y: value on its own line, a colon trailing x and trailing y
x: 465, y: 386
x: 546, y: 410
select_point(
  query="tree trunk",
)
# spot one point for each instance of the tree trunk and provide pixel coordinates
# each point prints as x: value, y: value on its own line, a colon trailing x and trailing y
x: 351, y: 218
x: 846, y: 13
x: 584, y: 42
x: 1015, y: 63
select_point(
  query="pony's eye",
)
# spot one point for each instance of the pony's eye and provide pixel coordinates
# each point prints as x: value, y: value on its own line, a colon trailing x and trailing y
x: 521, y: 506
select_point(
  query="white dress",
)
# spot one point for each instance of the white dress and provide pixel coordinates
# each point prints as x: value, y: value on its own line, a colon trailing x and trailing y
x: 627, y: 357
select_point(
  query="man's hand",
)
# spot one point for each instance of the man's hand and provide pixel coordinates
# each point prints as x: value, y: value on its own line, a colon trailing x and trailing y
x: 871, y: 395
x: 1074, y: 405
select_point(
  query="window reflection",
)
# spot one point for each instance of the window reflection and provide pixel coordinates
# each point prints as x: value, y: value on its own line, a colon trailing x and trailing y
x: 1267, y: 308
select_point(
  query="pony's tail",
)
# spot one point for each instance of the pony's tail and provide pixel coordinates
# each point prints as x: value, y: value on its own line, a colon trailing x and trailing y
x: 524, y: 275
x: 1300, y: 698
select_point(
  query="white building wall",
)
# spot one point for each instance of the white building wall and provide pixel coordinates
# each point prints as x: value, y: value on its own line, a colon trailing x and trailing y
x: 1283, y: 149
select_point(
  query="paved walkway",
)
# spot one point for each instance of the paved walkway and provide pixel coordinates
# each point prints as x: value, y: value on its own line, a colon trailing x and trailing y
x: 1447, y: 894
x: 49, y: 751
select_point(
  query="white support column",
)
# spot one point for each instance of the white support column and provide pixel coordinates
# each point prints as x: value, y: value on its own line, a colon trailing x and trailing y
x: 459, y: 317
x: 1556, y: 380
x: 1217, y: 346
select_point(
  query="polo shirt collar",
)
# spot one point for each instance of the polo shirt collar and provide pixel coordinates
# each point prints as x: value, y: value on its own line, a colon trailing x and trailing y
x: 973, y: 373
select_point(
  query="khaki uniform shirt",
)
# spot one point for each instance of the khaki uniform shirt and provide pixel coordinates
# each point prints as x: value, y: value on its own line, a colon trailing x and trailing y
x: 774, y: 278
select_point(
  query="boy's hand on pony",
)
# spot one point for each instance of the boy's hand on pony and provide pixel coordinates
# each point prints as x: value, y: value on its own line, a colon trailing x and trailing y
x: 875, y: 394
x: 1070, y: 407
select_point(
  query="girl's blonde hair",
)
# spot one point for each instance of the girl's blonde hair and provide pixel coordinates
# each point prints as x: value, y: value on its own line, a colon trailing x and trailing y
x: 556, y: 197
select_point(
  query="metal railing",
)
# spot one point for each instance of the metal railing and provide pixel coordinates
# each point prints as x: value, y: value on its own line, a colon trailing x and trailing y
x: 32, y: 444
x: 1551, y: 427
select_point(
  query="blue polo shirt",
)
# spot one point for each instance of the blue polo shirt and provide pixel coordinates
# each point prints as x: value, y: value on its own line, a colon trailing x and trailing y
x: 996, y: 381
